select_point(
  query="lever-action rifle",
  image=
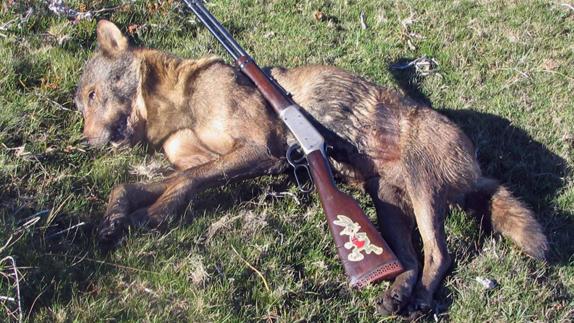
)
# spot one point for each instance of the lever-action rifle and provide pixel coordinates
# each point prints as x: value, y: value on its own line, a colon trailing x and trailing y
x: 365, y: 255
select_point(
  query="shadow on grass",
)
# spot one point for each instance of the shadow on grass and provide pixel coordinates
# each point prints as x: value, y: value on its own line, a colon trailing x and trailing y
x: 225, y: 198
x: 56, y: 261
x: 68, y: 262
x: 509, y: 154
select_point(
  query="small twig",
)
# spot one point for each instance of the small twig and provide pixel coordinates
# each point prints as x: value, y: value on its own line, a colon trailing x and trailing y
x: 567, y: 5
x: 55, y: 212
x: 103, y: 263
x: 525, y: 75
x: 17, y: 232
x: 253, y: 268
x: 33, y: 219
x: 284, y: 194
x: 65, y: 230
x: 151, y: 292
x: 60, y: 9
x: 42, y: 213
x: 6, y: 298
x: 106, y: 9
x: 39, y: 163
x: 31, y: 309
x: 7, y: 24
x: 7, y: 243
x: 27, y: 15
x: 80, y: 260
x: 17, y: 283
x: 554, y: 72
x: 54, y: 103
x: 218, y: 225
x: 423, y: 65
x: 30, y: 222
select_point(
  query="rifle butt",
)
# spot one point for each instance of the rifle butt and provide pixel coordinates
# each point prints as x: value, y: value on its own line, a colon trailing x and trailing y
x: 365, y: 255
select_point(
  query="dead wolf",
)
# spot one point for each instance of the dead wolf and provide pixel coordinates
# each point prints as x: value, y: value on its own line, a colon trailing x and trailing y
x: 216, y: 128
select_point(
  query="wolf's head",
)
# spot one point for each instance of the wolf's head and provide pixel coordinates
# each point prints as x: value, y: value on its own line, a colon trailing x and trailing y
x: 108, y: 93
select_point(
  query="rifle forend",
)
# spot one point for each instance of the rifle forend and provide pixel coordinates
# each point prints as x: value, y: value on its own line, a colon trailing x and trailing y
x: 365, y: 255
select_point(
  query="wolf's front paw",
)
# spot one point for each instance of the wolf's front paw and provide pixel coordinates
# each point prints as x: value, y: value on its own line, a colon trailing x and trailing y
x: 112, y: 229
x: 391, y: 302
x: 418, y: 309
x: 421, y: 305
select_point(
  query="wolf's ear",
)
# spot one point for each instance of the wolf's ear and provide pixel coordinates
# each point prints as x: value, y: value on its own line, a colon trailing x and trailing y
x: 110, y: 39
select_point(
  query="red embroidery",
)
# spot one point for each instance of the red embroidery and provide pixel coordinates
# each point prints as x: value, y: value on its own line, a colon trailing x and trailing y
x: 358, y: 241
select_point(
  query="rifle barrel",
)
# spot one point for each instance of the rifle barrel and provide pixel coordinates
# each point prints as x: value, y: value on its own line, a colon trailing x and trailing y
x: 234, y: 49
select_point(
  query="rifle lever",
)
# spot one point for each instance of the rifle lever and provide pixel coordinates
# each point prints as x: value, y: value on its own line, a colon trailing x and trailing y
x: 296, y: 158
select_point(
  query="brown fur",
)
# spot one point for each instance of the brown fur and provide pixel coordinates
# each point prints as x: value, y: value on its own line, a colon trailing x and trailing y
x: 215, y: 127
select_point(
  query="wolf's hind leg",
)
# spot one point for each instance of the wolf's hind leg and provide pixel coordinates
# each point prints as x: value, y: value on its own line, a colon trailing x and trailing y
x: 430, y: 210
x: 397, y: 228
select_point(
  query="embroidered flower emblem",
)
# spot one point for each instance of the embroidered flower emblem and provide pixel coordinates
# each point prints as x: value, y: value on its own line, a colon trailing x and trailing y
x: 358, y: 241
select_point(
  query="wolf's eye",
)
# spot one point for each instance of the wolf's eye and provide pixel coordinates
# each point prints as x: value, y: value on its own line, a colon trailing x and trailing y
x: 91, y: 96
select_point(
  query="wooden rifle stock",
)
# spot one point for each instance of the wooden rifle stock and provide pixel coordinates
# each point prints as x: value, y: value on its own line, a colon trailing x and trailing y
x: 373, y: 266
x: 365, y: 255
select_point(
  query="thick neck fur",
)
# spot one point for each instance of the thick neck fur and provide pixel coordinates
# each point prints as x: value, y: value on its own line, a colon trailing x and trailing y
x: 166, y: 89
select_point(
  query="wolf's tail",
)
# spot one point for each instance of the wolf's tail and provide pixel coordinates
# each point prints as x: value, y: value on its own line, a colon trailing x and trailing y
x: 507, y: 215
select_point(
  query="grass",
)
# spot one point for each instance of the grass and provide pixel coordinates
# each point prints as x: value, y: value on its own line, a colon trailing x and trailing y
x: 504, y: 74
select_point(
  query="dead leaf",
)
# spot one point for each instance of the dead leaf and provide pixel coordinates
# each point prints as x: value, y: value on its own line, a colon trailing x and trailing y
x: 568, y: 138
x: 216, y: 226
x: 46, y: 84
x: 381, y: 18
x: 20, y: 151
x: 133, y: 28
x: 70, y: 149
x: 408, y: 21
x: 486, y: 282
x: 410, y: 44
x: 549, y: 64
x: 319, y: 15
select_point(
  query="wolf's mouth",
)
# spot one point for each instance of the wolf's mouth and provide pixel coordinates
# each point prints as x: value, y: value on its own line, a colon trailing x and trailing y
x: 119, y: 134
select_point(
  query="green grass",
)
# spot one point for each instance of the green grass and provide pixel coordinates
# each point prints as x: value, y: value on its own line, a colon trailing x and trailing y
x: 505, y: 74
